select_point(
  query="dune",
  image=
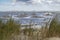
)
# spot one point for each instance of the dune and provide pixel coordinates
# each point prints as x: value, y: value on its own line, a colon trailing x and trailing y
x: 52, y: 38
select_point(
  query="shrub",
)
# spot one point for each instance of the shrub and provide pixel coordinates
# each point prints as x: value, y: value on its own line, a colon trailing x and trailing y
x: 6, y: 30
x: 54, y: 29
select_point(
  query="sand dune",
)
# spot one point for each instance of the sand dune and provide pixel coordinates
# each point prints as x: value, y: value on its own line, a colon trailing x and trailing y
x: 53, y: 38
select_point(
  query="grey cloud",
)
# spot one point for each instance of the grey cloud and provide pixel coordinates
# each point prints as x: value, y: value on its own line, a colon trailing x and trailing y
x: 23, y: 0
x: 44, y: 2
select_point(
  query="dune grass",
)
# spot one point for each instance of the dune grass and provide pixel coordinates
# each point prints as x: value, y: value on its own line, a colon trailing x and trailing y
x: 8, y: 28
x: 12, y: 28
x: 54, y: 29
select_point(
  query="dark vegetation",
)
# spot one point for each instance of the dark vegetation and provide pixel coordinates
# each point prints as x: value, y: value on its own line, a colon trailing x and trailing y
x: 54, y: 29
x: 11, y: 28
x: 8, y: 29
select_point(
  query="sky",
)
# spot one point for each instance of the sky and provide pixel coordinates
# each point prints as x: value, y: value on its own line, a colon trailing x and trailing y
x: 29, y: 5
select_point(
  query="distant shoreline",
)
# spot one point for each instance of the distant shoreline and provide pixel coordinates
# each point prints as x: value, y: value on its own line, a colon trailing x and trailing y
x: 29, y: 11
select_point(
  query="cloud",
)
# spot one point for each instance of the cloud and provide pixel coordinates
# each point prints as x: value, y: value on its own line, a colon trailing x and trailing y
x: 23, y: 0
x: 36, y: 1
x: 39, y: 1
x: 21, y: 7
x: 31, y: 1
x: 36, y: 5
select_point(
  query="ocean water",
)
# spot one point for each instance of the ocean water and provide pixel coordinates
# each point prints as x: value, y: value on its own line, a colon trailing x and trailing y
x: 27, y: 17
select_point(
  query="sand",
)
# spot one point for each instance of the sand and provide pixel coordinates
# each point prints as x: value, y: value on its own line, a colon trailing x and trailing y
x: 53, y: 38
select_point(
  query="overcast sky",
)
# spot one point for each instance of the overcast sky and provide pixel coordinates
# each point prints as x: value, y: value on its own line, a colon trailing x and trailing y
x: 29, y: 5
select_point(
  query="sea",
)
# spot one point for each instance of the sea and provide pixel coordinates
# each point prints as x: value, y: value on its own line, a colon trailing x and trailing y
x: 33, y: 17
